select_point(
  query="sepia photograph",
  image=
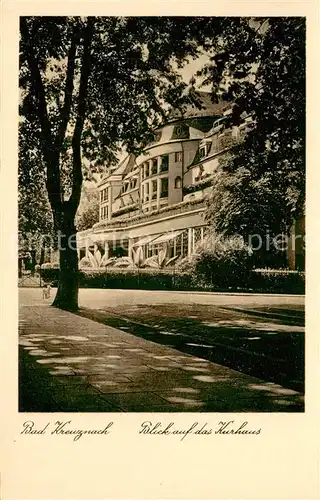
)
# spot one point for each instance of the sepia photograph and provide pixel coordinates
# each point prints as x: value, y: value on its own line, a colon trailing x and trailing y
x: 161, y: 199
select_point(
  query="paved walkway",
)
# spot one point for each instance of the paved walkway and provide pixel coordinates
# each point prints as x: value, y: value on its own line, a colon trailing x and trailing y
x: 71, y: 363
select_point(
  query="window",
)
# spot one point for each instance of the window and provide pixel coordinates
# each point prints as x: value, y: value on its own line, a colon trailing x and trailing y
x: 147, y: 169
x: 164, y: 163
x: 154, y: 249
x: 164, y: 188
x: 104, y: 195
x: 103, y: 213
x: 145, y: 195
x: 178, y: 157
x: 154, y: 189
x: 181, y: 246
x: 155, y: 166
x: 202, y: 152
x: 177, y: 182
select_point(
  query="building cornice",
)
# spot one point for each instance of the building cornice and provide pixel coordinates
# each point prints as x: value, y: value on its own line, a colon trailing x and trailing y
x: 125, y: 225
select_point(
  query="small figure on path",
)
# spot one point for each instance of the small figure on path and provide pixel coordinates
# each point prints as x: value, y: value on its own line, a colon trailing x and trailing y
x: 46, y: 291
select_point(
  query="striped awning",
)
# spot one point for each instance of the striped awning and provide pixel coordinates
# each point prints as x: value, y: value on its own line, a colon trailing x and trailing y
x: 172, y: 235
x: 145, y: 240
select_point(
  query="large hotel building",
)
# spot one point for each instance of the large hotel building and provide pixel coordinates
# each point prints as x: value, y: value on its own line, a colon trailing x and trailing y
x: 152, y: 206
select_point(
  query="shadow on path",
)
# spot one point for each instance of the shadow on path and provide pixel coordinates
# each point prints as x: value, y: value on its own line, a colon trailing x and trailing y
x: 265, y: 343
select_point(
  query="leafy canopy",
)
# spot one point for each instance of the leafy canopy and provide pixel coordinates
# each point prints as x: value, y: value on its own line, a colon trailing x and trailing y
x: 132, y: 68
x: 259, y: 66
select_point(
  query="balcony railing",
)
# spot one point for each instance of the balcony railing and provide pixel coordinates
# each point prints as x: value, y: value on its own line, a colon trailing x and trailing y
x: 124, y: 210
x: 202, y: 183
x: 178, y: 208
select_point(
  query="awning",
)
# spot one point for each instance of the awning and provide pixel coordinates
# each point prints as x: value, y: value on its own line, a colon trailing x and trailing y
x: 103, y: 237
x: 167, y: 237
x: 145, y: 240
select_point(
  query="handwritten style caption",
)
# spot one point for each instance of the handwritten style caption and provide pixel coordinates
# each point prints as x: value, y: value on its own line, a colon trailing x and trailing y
x: 223, y: 427
x: 227, y: 427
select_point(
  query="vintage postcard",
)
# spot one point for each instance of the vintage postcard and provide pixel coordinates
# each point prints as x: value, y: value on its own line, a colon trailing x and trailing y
x: 159, y: 233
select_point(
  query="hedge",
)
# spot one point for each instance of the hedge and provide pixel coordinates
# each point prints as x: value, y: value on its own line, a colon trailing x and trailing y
x: 263, y: 281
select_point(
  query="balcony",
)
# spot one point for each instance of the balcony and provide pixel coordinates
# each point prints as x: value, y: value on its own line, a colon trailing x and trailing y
x: 125, y: 210
x: 200, y: 184
x: 170, y: 210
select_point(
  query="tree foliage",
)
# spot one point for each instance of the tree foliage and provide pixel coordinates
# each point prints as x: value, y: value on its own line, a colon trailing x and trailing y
x: 88, y: 213
x: 35, y: 215
x: 259, y: 66
x: 88, y: 86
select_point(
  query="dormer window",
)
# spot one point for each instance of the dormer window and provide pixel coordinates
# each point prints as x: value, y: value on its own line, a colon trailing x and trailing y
x: 104, y: 195
x: 203, y: 151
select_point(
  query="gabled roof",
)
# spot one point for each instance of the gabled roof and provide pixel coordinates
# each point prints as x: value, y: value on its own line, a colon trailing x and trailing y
x: 124, y: 167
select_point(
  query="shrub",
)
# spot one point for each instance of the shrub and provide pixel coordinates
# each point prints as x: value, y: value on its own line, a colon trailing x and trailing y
x: 185, y: 265
x: 276, y: 281
x: 150, y: 279
x: 222, y: 261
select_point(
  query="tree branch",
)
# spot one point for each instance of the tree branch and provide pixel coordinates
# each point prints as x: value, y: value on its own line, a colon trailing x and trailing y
x: 76, y: 139
x: 49, y: 151
x: 65, y: 113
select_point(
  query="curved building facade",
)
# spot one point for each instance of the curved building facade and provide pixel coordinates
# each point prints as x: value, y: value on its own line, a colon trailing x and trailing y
x: 152, y: 206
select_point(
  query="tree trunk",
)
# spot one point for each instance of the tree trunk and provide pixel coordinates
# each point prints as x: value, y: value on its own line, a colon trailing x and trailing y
x: 33, y: 261
x: 67, y: 293
x: 42, y: 255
